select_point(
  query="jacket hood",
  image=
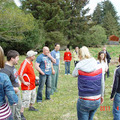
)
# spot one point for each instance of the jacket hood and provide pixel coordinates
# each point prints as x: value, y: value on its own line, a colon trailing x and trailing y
x: 87, y: 65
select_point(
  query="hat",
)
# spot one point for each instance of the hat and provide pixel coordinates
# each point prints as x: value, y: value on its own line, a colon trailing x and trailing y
x: 31, y: 53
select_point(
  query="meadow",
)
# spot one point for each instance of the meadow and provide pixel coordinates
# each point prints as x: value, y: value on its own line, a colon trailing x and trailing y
x: 62, y: 105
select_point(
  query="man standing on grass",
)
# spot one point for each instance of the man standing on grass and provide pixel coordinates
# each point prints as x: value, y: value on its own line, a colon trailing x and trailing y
x: 56, y: 66
x: 27, y: 77
x: 108, y: 60
x: 10, y: 70
x: 44, y: 66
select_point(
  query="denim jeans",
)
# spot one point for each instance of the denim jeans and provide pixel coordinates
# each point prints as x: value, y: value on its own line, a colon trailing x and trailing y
x: 116, y: 107
x: 44, y: 79
x: 54, y: 80
x: 86, y: 109
x: 67, y: 67
x: 10, y: 117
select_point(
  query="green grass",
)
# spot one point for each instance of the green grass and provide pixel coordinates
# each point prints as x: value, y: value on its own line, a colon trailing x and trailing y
x: 63, y: 103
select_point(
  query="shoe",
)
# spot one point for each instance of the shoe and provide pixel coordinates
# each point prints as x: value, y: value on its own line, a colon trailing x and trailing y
x: 69, y: 74
x: 32, y: 109
x: 22, y: 117
x: 65, y: 74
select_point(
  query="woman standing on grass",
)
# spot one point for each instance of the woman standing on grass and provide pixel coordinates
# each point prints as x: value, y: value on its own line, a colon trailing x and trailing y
x: 90, y: 85
x: 6, y: 89
x: 102, y: 60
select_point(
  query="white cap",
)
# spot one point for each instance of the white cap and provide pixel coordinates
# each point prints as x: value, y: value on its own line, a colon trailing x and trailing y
x: 31, y: 53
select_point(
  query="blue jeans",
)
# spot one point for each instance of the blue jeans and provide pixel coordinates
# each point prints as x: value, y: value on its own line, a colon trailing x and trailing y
x: 86, y: 109
x: 44, y: 79
x: 116, y: 107
x: 10, y: 117
x: 67, y: 67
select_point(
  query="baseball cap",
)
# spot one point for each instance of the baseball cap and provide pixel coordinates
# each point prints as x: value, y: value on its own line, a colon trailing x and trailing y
x: 31, y: 53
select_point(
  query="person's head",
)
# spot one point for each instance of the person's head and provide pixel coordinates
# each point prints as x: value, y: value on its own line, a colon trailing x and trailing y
x: 13, y: 57
x: 46, y: 50
x: 57, y: 47
x: 104, y: 48
x: 2, y: 61
x: 101, y: 56
x: 67, y: 49
x: 76, y: 49
x: 31, y: 55
x: 84, y: 53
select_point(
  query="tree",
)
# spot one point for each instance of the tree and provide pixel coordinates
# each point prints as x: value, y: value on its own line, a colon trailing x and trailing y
x: 98, y: 14
x: 18, y: 30
x: 97, y: 36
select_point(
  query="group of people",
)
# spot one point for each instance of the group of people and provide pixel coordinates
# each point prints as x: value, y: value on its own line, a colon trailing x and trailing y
x: 48, y: 66
x: 90, y: 73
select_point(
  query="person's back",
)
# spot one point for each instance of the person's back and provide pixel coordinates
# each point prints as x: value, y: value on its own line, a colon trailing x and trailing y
x: 90, y: 85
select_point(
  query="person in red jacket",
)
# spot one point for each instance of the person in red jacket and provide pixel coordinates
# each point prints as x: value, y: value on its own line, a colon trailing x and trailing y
x: 67, y: 59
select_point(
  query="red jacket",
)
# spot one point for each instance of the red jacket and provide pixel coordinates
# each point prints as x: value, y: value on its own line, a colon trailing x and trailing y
x: 67, y: 56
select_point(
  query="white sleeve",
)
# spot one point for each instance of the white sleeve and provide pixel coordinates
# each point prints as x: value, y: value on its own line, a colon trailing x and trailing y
x: 75, y: 72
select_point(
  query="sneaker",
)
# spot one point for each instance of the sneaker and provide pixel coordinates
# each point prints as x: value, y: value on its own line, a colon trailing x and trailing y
x: 22, y: 117
x: 65, y: 74
x: 69, y: 74
x: 32, y: 109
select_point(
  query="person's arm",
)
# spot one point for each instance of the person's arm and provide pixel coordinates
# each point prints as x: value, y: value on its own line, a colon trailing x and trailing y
x: 115, y: 84
x: 52, y: 59
x: 75, y: 72
x: 102, y: 87
x: 9, y: 91
x: 53, y: 71
x: 38, y: 68
x: 22, y: 80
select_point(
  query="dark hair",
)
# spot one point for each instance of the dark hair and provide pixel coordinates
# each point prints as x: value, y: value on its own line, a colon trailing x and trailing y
x: 2, y: 60
x: 56, y: 44
x: 101, y: 52
x: 12, y: 54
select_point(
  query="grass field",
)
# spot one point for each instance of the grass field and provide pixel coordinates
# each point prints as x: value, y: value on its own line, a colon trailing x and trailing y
x: 63, y: 103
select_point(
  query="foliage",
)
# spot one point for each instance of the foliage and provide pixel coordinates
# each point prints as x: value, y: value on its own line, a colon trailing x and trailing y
x: 18, y: 30
x: 106, y: 16
x: 97, y: 36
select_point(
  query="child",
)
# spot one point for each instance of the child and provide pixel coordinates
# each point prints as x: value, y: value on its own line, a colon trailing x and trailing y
x: 67, y: 59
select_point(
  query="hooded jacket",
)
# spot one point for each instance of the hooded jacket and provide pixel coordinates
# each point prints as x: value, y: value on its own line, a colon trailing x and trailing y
x: 90, y: 78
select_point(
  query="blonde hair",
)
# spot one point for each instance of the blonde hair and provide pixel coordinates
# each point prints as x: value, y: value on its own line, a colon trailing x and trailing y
x: 2, y: 61
x: 84, y: 53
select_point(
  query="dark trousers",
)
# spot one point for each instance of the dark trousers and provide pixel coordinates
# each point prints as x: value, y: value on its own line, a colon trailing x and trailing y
x: 75, y: 63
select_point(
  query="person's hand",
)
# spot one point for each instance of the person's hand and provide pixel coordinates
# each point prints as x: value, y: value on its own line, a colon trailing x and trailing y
x: 42, y: 73
x: 49, y: 55
x: 16, y: 89
x: 112, y: 99
x: 53, y: 72
x: 102, y: 100
x: 26, y: 83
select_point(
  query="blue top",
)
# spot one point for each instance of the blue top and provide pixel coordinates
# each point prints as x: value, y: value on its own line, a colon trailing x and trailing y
x: 45, y: 64
x: 6, y: 89
x: 56, y: 55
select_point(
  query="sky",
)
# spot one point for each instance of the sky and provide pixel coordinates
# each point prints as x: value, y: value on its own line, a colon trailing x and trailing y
x: 92, y: 4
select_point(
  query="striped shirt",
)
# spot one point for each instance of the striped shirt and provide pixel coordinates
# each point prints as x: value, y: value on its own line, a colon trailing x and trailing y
x: 5, y: 111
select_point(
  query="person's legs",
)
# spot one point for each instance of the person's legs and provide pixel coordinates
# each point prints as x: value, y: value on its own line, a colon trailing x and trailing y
x: 40, y: 88
x: 48, y: 87
x: 116, y: 107
x: 66, y: 68
x: 86, y: 109
x: 25, y: 102
x: 13, y: 108
x: 32, y: 100
x: 18, y: 107
x: 56, y: 77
